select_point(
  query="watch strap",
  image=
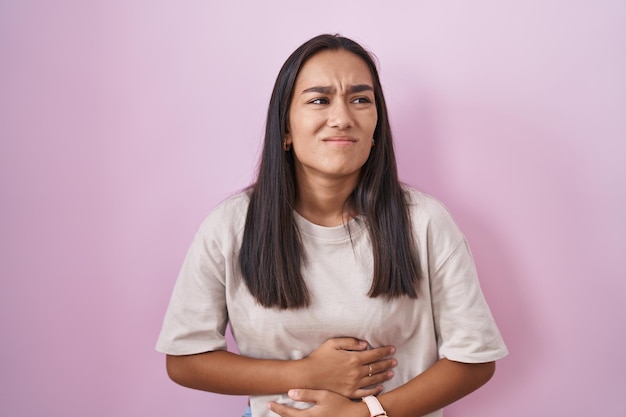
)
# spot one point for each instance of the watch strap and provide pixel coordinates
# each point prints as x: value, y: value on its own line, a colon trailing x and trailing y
x: 376, y: 409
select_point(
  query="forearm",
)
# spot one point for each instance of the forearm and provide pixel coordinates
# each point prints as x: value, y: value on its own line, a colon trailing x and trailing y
x: 228, y: 373
x: 341, y: 365
x: 440, y: 385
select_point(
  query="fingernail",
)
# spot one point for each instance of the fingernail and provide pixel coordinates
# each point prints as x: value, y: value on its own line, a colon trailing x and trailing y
x: 294, y: 393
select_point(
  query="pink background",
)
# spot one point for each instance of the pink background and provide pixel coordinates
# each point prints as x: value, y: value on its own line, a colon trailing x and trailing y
x: 123, y: 122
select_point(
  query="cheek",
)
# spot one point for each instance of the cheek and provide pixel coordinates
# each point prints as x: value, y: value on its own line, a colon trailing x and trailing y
x: 305, y: 131
x: 296, y: 122
x: 370, y: 122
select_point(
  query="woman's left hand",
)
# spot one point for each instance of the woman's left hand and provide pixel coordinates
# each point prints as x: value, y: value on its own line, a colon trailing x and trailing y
x: 326, y: 404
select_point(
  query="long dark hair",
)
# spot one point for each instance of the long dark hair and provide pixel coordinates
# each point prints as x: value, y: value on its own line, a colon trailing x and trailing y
x: 271, y: 254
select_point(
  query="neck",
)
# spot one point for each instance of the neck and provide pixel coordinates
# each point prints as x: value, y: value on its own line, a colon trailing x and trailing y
x: 325, y: 203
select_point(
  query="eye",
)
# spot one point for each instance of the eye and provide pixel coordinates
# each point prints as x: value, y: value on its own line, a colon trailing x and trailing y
x: 319, y: 101
x: 362, y: 100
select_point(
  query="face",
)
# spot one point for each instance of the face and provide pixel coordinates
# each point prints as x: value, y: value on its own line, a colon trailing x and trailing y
x: 332, y: 117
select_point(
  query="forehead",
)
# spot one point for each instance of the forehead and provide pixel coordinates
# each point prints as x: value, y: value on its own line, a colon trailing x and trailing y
x: 331, y: 67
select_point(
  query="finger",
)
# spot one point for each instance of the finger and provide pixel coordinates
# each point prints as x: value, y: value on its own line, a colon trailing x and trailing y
x: 349, y: 343
x: 381, y: 366
x: 376, y: 354
x: 364, y: 392
x: 307, y: 395
x: 302, y: 395
x: 283, y: 410
x: 379, y: 378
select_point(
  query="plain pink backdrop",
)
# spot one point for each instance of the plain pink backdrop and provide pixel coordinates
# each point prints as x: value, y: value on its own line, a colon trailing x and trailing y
x: 122, y: 123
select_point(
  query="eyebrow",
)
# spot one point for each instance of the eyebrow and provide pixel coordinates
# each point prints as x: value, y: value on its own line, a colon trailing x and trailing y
x: 358, y: 88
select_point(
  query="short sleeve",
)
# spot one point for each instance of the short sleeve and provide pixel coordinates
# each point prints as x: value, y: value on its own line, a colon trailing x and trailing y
x: 197, y: 316
x: 465, y: 326
x: 466, y: 330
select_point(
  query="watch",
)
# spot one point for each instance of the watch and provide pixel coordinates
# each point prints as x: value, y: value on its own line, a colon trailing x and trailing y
x: 376, y: 410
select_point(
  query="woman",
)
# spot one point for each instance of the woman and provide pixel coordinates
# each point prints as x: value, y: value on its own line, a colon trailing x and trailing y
x: 338, y: 281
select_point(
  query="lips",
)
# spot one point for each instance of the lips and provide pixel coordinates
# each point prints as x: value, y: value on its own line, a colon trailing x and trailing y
x: 340, y: 139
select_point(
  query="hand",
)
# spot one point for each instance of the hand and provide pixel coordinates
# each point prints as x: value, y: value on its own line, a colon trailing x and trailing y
x: 345, y: 366
x: 326, y: 404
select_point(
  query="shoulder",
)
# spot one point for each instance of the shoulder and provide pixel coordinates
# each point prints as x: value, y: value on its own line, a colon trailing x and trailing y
x: 415, y: 197
x: 235, y: 204
x: 430, y: 217
x: 424, y: 205
x: 228, y: 217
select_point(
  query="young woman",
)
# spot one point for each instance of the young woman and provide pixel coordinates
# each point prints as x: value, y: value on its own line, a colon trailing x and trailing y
x: 338, y: 281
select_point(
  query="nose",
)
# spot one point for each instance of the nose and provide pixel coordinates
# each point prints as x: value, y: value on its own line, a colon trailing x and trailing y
x: 339, y: 115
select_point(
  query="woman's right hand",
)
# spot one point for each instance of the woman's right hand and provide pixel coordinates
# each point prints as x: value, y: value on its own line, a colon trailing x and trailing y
x: 346, y: 366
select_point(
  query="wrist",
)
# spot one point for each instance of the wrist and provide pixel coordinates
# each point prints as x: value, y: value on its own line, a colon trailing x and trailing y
x: 361, y: 409
x: 304, y: 374
x: 375, y: 409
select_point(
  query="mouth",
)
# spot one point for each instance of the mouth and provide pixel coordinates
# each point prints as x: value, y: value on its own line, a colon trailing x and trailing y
x: 340, y: 140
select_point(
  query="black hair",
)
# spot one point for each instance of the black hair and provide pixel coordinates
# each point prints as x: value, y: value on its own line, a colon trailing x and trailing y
x: 272, y: 256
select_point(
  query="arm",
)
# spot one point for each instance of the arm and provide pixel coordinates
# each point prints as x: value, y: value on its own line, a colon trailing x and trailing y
x: 339, y: 365
x: 440, y: 385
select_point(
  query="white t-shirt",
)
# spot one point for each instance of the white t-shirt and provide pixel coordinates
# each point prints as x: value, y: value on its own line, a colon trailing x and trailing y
x: 450, y: 317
